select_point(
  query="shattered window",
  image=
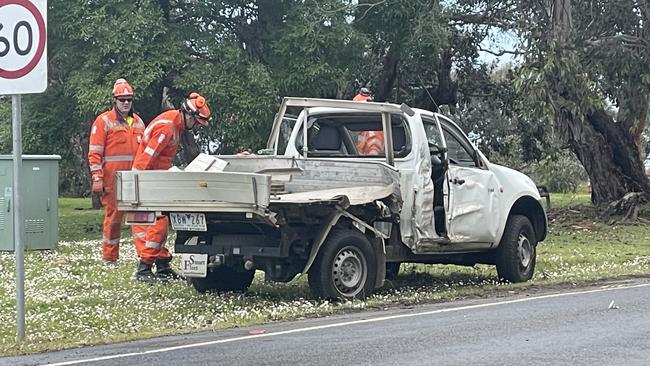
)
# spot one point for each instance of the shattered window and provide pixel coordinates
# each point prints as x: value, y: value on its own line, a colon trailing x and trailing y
x: 433, y: 136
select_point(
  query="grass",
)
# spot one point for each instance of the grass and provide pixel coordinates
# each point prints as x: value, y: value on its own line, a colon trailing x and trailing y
x: 78, y: 221
x: 73, y: 300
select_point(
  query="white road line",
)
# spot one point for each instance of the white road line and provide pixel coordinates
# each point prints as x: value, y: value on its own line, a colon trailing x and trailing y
x: 336, y: 325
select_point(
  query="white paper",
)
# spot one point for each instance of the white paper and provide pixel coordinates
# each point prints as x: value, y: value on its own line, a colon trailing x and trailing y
x: 206, y: 163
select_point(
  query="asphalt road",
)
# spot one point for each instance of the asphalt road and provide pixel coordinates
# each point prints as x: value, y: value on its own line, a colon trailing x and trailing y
x: 568, y: 327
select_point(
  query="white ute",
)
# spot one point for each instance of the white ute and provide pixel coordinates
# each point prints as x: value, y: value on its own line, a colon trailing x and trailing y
x: 313, y: 203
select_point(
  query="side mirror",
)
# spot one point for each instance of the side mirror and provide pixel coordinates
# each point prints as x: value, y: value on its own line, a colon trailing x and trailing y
x: 265, y: 152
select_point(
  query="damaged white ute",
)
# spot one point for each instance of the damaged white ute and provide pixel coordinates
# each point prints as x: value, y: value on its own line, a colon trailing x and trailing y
x: 345, y: 193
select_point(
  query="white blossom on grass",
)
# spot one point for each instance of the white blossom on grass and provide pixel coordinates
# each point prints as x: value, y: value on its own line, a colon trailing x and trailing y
x: 73, y: 299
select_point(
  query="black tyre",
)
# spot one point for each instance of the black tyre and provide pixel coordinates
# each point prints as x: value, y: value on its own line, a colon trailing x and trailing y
x: 345, y: 267
x: 392, y: 270
x: 224, y: 279
x: 517, y: 252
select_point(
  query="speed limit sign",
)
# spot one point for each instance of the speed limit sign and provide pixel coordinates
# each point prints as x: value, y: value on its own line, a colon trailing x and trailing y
x: 23, y: 46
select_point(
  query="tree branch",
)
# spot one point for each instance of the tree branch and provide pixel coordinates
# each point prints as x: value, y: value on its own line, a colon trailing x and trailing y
x: 368, y: 6
x: 478, y: 19
x: 501, y: 52
x: 624, y: 39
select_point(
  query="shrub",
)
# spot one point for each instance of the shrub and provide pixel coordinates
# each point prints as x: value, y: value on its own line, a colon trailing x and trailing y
x: 561, y: 172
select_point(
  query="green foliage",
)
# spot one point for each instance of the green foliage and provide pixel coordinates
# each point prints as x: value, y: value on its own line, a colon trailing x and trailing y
x: 243, y: 55
x: 560, y: 172
x: 316, y: 50
x: 506, y: 126
x: 405, y: 43
x: 90, y: 46
x: 5, y: 125
x: 244, y: 96
x: 94, y: 44
x: 246, y: 55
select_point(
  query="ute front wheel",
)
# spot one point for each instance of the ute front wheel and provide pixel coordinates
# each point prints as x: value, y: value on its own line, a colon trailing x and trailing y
x: 517, y: 252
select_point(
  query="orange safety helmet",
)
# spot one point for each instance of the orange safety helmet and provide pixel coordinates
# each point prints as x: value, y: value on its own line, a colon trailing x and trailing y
x: 122, y: 88
x: 197, y: 106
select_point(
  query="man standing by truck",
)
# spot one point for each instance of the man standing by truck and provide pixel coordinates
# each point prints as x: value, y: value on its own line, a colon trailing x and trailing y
x: 114, y: 140
x: 156, y: 152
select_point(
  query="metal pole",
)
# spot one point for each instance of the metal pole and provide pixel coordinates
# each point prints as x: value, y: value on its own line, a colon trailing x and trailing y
x: 388, y: 138
x: 19, y: 233
x: 305, y: 148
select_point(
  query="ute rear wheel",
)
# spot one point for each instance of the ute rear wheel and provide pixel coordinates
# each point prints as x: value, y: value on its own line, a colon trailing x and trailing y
x: 223, y: 279
x: 517, y: 252
x: 345, y: 267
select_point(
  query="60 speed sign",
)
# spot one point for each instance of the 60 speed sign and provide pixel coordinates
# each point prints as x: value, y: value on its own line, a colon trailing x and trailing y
x: 23, y: 46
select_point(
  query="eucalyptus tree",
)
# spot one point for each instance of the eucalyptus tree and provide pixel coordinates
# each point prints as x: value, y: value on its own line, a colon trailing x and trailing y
x: 582, y: 59
x: 583, y: 77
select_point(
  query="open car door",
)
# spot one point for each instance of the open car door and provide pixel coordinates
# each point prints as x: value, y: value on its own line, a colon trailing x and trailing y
x: 471, y: 208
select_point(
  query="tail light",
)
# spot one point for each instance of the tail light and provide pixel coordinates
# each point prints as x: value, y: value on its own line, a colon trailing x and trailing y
x: 140, y: 218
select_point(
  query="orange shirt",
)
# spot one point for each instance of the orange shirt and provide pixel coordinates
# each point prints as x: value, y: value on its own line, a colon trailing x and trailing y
x: 370, y: 143
x: 160, y: 142
x: 361, y: 98
x: 113, y: 143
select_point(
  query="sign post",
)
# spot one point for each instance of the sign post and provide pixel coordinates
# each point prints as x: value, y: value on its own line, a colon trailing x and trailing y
x: 23, y: 70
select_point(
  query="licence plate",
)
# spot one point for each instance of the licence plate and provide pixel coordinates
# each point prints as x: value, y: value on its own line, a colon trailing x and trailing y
x: 188, y: 221
x: 194, y: 265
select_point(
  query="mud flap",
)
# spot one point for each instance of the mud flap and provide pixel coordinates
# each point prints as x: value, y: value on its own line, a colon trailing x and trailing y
x: 380, y: 250
x: 331, y: 221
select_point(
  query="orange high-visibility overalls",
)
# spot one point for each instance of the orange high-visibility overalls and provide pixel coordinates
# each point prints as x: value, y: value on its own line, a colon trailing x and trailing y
x: 157, y: 150
x: 370, y: 143
x: 361, y: 98
x: 113, y: 144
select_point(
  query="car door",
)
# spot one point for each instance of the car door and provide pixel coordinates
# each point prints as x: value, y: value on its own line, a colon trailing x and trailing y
x: 472, y: 208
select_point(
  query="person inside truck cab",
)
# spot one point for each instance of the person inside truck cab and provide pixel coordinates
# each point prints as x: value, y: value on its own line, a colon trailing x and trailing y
x: 156, y: 152
x: 369, y: 143
x: 113, y: 142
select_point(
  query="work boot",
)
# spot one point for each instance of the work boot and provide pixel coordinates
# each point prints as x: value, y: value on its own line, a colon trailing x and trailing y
x: 164, y: 270
x: 144, y: 274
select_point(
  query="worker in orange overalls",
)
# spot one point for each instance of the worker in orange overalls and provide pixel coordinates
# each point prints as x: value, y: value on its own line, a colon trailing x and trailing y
x: 159, y: 146
x: 369, y: 143
x: 114, y: 140
x: 363, y: 96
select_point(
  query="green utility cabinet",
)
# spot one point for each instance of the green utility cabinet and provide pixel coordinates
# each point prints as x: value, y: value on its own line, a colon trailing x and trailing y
x: 40, y: 192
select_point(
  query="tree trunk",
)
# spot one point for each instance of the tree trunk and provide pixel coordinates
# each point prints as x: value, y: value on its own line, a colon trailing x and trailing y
x: 446, y: 90
x: 607, y: 148
x: 608, y: 154
x: 389, y: 74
